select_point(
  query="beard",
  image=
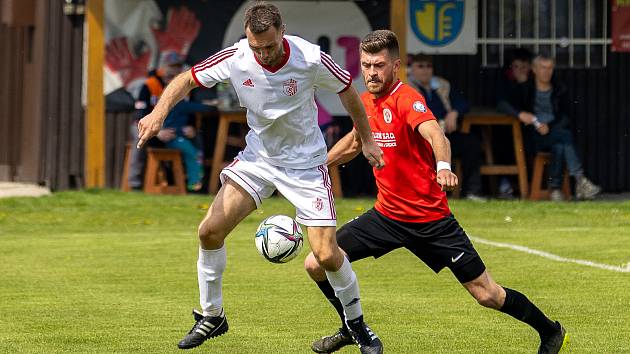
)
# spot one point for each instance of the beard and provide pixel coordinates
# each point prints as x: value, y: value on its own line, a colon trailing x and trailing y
x: 378, y: 86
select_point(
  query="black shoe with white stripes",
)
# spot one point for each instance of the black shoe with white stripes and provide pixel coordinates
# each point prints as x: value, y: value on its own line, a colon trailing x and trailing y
x: 368, y: 341
x: 205, y: 328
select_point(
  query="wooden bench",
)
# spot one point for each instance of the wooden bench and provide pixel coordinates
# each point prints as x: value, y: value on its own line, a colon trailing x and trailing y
x: 537, y: 192
x: 155, y: 179
x: 486, y: 120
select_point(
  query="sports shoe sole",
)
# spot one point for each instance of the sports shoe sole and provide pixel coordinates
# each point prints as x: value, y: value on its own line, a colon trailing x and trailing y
x: 565, y: 342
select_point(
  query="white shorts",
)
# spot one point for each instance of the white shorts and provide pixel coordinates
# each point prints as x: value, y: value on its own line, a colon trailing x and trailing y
x: 309, y: 190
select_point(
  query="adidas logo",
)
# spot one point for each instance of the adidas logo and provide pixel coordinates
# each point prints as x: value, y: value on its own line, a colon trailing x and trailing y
x: 248, y: 82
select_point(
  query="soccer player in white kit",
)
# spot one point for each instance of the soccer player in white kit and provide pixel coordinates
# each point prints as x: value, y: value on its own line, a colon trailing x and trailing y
x: 275, y: 77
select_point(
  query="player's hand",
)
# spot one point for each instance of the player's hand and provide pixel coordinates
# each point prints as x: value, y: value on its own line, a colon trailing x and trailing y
x: 543, y: 129
x: 526, y: 117
x: 148, y: 127
x: 450, y: 122
x: 373, y: 154
x: 447, y: 180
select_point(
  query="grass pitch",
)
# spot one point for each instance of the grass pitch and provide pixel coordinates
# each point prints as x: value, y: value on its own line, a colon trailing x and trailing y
x: 103, y: 272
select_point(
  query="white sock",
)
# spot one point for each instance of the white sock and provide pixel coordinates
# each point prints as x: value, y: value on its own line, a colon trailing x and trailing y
x: 210, y: 267
x: 346, y: 287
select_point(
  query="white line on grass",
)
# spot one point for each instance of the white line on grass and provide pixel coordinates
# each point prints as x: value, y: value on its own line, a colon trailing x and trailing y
x: 620, y: 269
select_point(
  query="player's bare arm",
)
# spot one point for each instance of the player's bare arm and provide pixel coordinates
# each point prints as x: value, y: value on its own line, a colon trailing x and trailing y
x: 150, y: 125
x: 346, y: 149
x: 352, y: 103
x: 431, y: 131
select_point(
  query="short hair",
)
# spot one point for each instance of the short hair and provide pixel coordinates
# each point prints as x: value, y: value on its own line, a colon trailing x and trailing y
x: 421, y: 58
x: 521, y: 54
x: 261, y: 16
x: 378, y: 40
x: 543, y: 57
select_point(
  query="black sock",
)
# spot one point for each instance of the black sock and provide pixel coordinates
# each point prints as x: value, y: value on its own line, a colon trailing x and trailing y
x: 518, y: 306
x: 329, y: 292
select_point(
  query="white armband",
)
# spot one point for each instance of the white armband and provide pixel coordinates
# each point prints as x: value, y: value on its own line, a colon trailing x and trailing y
x: 443, y: 165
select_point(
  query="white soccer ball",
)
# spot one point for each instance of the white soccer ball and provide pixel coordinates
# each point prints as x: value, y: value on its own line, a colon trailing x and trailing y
x: 279, y: 239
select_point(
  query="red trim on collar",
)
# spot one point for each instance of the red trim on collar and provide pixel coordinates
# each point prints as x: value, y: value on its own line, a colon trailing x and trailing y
x: 285, y: 59
x: 389, y: 91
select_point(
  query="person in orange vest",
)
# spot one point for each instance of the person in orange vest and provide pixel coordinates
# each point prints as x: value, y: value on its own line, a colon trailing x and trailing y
x: 177, y: 134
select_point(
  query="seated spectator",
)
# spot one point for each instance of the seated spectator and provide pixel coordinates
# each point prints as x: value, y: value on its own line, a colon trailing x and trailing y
x: 177, y: 133
x: 448, y: 106
x: 542, y: 104
x: 516, y: 72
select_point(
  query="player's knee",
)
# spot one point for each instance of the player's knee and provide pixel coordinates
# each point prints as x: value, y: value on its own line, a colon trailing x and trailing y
x: 312, y: 267
x: 327, y: 259
x: 208, y: 232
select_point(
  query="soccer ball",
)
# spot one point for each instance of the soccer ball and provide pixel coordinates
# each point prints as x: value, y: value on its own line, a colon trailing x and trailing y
x: 279, y: 239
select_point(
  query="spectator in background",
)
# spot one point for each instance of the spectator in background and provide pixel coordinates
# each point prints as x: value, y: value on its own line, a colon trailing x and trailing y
x: 177, y: 133
x: 448, y: 106
x: 542, y: 104
x: 515, y: 73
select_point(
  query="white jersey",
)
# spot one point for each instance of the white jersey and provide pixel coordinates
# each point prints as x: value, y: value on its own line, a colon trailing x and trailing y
x: 280, y: 101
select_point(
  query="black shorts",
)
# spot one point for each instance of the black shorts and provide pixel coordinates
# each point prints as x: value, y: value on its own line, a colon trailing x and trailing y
x: 439, y: 244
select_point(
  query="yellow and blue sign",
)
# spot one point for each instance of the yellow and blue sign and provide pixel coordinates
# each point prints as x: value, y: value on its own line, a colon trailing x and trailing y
x: 442, y: 26
x: 436, y: 22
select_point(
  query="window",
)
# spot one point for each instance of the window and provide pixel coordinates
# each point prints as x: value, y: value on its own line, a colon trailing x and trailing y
x: 572, y: 31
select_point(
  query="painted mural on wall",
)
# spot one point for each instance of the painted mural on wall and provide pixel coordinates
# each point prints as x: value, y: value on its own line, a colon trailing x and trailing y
x: 140, y: 34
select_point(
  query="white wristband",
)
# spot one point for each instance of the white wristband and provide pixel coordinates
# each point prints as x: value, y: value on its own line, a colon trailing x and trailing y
x: 536, y: 123
x: 443, y: 165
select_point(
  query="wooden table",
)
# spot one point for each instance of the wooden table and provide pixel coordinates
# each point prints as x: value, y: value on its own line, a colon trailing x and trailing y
x: 226, y: 117
x: 486, y: 120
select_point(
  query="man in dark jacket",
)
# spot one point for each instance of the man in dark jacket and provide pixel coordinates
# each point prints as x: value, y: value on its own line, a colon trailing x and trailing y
x: 542, y: 104
x: 449, y: 107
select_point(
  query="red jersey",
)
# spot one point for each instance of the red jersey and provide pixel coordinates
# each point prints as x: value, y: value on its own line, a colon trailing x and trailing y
x: 407, y: 186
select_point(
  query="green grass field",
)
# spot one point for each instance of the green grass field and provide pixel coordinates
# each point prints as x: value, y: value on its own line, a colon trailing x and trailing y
x: 103, y: 272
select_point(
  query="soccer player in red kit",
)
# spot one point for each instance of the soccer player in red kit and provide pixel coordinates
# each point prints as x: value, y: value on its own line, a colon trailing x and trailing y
x: 411, y: 209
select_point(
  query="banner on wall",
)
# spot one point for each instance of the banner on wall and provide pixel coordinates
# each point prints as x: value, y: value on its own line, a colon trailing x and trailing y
x: 620, y: 25
x: 139, y: 33
x: 442, y: 26
x: 337, y: 27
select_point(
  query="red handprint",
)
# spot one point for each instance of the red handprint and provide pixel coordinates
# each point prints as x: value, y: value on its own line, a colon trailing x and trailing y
x: 182, y: 27
x: 119, y: 58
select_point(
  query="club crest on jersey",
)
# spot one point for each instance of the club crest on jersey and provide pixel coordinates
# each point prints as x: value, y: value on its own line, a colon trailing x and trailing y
x: 289, y: 87
x: 318, y: 204
x: 387, y: 115
x: 419, y: 107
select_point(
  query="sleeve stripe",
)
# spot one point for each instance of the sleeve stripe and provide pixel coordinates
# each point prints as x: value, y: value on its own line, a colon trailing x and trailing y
x: 214, y: 56
x: 213, y: 62
x: 326, y: 59
x: 194, y: 75
x: 330, y: 60
x: 346, y: 88
x: 340, y: 74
